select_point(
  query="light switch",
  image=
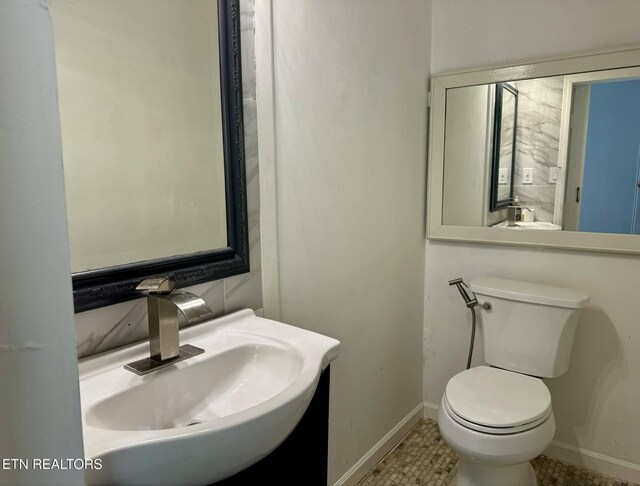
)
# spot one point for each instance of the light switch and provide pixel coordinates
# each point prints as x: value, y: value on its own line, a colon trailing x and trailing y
x: 527, y: 175
x: 553, y: 175
x: 503, y: 176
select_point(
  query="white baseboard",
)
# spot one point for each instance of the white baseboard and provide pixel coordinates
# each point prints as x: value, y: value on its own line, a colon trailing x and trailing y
x: 431, y: 411
x: 381, y: 449
x: 617, y: 468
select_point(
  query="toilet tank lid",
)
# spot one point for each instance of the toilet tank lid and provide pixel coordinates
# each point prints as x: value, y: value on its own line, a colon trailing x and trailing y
x: 530, y: 292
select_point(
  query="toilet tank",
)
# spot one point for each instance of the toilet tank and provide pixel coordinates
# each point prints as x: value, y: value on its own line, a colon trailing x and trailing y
x: 530, y: 327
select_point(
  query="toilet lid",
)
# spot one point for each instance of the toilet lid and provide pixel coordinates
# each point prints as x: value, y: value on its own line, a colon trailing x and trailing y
x: 492, y: 397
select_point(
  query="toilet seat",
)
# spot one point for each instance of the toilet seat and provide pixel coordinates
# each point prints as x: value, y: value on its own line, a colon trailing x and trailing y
x: 496, y: 401
x: 493, y: 430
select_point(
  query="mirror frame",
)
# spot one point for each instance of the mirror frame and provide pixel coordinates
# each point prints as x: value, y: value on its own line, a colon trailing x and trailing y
x: 108, y: 286
x: 494, y: 203
x: 595, y: 61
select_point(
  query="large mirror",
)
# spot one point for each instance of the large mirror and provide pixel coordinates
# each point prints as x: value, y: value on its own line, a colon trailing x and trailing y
x: 545, y: 154
x: 151, y: 118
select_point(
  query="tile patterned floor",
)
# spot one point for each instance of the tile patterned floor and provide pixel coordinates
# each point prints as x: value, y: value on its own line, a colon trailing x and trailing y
x: 424, y: 459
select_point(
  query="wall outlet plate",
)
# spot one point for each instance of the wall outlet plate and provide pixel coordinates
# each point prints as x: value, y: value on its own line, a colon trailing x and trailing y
x: 503, y: 176
x: 527, y: 175
x: 553, y: 175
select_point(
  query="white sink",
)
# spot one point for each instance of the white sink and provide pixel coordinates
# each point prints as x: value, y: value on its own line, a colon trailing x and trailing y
x: 533, y: 225
x: 205, y: 418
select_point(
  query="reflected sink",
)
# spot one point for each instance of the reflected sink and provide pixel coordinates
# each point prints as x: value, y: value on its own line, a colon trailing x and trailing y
x: 534, y: 225
x: 208, y: 417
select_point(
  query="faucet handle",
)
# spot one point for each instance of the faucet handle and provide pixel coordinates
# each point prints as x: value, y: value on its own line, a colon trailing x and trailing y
x: 156, y: 285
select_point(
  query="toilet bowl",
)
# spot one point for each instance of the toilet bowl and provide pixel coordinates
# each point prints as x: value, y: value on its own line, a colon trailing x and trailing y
x: 496, y: 421
x: 499, y: 417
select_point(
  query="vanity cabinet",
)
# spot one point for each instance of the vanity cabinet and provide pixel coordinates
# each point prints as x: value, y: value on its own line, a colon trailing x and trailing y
x: 306, y: 449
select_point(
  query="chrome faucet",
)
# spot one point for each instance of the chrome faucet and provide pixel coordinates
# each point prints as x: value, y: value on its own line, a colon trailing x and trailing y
x: 166, y: 307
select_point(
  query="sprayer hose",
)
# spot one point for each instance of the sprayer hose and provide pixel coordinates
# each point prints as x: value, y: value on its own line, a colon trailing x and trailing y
x: 473, y: 336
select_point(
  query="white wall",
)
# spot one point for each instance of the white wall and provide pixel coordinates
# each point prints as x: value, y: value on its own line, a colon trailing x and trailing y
x: 39, y: 391
x: 350, y: 98
x: 468, y: 33
x: 596, y: 403
x: 466, y: 179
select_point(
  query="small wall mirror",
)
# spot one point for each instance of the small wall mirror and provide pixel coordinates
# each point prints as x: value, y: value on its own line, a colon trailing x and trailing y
x: 151, y: 118
x: 559, y: 138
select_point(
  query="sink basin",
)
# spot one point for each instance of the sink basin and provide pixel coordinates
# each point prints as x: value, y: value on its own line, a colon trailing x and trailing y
x: 206, y: 418
x: 228, y: 382
x: 534, y: 225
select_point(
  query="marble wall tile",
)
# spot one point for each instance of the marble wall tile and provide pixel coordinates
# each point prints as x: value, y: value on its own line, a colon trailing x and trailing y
x: 245, y: 290
x: 537, y: 141
x: 251, y: 153
x: 110, y: 327
x: 543, y: 197
x: 247, y: 45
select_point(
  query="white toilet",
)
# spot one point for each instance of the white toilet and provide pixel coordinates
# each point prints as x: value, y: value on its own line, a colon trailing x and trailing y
x: 499, y: 418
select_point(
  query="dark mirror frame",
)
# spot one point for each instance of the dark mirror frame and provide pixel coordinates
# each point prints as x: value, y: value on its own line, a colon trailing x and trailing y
x: 107, y: 286
x: 494, y: 203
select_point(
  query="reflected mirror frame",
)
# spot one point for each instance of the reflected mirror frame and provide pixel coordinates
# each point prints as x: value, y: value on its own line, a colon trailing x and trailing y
x: 494, y: 203
x: 108, y: 286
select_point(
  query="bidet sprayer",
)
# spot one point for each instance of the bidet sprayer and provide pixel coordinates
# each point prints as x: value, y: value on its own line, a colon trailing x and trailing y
x: 469, y: 298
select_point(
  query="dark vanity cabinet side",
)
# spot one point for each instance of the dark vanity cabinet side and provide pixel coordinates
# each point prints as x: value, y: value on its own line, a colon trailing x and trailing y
x: 306, y: 449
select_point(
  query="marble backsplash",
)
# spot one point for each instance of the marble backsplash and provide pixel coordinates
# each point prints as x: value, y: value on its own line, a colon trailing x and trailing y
x: 110, y: 327
x: 537, y: 142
